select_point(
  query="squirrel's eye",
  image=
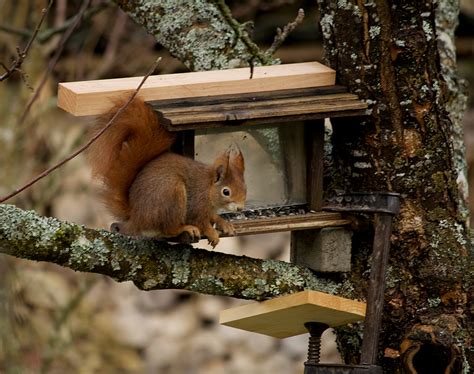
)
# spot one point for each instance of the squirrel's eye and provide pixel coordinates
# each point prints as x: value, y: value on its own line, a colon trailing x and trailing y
x: 226, y: 191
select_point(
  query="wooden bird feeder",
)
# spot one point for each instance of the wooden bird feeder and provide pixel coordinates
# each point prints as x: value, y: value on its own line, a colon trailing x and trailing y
x: 277, y: 120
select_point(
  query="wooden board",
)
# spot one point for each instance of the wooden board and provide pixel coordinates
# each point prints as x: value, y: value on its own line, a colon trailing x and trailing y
x: 94, y: 97
x: 285, y: 316
x: 307, y: 221
x: 274, y: 107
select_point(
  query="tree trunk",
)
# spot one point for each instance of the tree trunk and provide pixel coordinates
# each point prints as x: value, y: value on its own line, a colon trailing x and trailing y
x: 400, y: 58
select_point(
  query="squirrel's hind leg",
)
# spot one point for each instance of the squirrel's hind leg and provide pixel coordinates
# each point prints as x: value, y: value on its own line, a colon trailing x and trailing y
x: 175, y: 221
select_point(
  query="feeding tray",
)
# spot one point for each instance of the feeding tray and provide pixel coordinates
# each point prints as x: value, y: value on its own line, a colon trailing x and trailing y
x: 290, y: 100
x: 285, y: 316
x: 262, y: 225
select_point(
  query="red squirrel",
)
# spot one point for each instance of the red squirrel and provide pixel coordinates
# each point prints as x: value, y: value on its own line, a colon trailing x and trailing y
x: 157, y: 193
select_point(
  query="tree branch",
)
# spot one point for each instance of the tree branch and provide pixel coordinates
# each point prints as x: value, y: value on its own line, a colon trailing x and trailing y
x: 150, y: 264
x: 87, y: 145
x: 52, y: 63
x: 283, y: 34
x: 200, y: 35
x: 16, y: 64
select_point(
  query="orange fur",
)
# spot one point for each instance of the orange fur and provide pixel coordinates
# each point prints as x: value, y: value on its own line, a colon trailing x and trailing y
x: 158, y: 193
x: 116, y: 157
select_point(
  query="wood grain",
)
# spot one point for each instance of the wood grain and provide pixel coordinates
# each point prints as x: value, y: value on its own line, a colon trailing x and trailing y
x: 285, y: 316
x: 307, y: 221
x: 253, y: 109
x: 95, y: 97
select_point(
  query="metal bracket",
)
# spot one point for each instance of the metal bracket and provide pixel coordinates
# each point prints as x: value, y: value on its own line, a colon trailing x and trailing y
x: 384, y: 206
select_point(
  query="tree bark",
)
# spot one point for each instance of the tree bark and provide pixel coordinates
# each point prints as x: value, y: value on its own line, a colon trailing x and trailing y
x: 202, y: 34
x: 151, y: 264
x: 400, y: 58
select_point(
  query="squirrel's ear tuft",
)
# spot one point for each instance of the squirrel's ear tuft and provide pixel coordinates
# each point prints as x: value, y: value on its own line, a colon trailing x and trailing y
x: 238, y: 162
x: 221, y: 165
x: 220, y: 173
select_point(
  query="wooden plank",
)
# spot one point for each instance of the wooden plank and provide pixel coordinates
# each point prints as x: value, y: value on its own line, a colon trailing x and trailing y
x: 314, y: 136
x: 285, y: 316
x: 304, y: 244
x: 184, y: 144
x: 307, y: 221
x: 306, y: 217
x: 95, y: 97
x: 251, y: 96
x: 242, y: 229
x: 277, y: 120
x: 238, y: 105
x: 266, y: 112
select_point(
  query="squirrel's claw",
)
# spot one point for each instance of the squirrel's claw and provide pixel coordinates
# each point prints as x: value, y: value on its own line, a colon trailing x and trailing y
x: 226, y: 228
x: 214, y: 241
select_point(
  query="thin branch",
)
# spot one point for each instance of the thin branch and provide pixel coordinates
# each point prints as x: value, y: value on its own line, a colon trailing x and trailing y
x: 241, y: 33
x: 283, y: 34
x: 16, y: 31
x: 52, y: 63
x: 16, y: 64
x: 84, y: 147
x: 151, y: 264
x: 93, y: 10
x: 45, y: 35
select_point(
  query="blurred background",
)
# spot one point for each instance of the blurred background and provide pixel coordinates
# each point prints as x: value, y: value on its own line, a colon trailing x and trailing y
x: 53, y: 320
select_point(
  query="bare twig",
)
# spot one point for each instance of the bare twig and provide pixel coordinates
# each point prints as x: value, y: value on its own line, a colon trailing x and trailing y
x: 87, y: 145
x: 242, y: 34
x: 283, y: 34
x: 16, y: 31
x: 110, y: 54
x: 16, y: 64
x: 55, y: 58
x: 45, y: 35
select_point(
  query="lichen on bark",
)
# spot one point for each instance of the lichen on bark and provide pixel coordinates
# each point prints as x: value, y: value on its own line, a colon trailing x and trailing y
x: 399, y: 58
x: 151, y: 264
x: 197, y: 33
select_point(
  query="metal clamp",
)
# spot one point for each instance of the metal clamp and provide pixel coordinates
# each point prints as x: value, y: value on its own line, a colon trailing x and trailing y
x: 384, y: 206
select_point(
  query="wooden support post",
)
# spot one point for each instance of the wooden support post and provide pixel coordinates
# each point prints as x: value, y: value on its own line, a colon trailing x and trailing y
x: 321, y: 250
x: 184, y: 144
x: 314, y: 137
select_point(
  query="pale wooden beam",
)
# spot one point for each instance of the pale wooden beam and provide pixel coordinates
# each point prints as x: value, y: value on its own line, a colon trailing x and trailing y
x: 285, y: 316
x: 95, y: 96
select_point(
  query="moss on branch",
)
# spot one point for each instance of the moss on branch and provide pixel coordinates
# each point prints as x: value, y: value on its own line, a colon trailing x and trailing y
x: 150, y: 264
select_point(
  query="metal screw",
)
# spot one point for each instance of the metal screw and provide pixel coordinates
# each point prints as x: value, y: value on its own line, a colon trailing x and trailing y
x: 315, y: 330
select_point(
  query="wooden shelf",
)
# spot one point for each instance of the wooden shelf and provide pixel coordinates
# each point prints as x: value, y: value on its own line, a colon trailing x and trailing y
x: 308, y: 221
x: 285, y: 316
x: 258, y: 108
x: 317, y: 220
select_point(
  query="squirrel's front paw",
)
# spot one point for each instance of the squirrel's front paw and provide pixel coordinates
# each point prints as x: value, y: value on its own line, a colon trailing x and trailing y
x: 226, y: 228
x: 213, y: 241
x: 193, y: 232
x: 212, y: 237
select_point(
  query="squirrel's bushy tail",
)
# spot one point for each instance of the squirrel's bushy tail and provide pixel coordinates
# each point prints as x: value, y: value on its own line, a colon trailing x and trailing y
x: 117, y: 156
